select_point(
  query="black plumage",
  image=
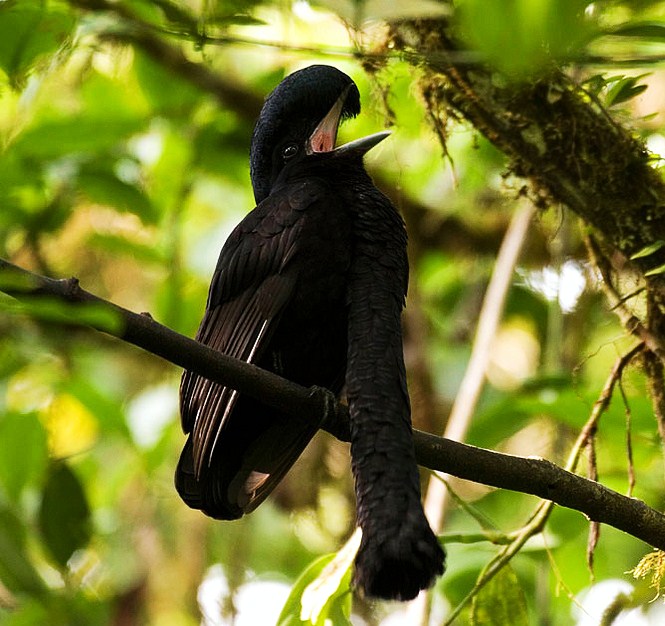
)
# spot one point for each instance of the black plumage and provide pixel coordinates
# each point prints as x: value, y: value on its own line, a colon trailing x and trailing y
x: 311, y: 285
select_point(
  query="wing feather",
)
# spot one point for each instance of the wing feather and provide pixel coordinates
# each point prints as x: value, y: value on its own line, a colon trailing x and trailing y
x: 252, y: 286
x: 249, y: 291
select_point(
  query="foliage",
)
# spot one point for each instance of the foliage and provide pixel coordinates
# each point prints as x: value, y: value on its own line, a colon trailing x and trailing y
x: 127, y: 169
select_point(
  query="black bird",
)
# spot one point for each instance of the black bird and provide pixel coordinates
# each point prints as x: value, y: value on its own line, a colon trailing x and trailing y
x: 311, y: 285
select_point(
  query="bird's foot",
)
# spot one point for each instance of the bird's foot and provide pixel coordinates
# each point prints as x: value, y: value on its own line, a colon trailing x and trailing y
x: 333, y: 417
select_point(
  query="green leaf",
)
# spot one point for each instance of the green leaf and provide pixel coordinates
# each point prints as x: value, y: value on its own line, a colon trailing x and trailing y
x: 107, y: 189
x: 53, y: 139
x: 624, y: 89
x: 108, y: 96
x: 656, y: 270
x: 119, y: 245
x: 16, y: 281
x: 595, y: 84
x: 321, y: 595
x: 648, y: 250
x: 61, y: 609
x: 97, y: 315
x: 500, y: 602
x: 28, y: 614
x: 16, y: 570
x: 521, y: 37
x: 107, y: 409
x: 23, y: 452
x: 30, y: 29
x: 64, y: 514
x: 163, y: 89
x: 643, y: 30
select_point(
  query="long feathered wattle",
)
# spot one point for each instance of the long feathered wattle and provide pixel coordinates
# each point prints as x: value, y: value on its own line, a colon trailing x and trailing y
x: 311, y: 285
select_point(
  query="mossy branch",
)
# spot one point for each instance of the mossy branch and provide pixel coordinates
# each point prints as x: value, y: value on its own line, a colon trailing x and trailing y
x: 556, y: 136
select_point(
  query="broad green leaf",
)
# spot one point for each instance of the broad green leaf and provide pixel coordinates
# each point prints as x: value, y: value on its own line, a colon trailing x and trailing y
x: 644, y: 30
x: 107, y: 409
x: 648, y: 250
x: 102, y: 94
x: 55, y: 138
x: 64, y: 514
x: 291, y: 613
x: 72, y: 429
x: 28, y: 614
x: 12, y: 280
x: 164, y: 90
x: 100, y: 316
x: 151, y: 11
x: 30, y: 29
x: 322, y: 593
x: 60, y: 609
x: 106, y: 188
x: 500, y: 602
x: 118, y: 245
x: 23, y: 452
x: 171, y: 174
x: 523, y: 36
x: 16, y: 570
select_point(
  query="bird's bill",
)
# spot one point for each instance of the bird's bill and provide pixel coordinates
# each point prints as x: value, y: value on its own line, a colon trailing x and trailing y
x: 325, y: 134
x: 362, y: 145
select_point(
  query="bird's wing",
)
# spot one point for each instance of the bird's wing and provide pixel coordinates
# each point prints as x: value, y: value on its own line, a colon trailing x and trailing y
x: 250, y: 289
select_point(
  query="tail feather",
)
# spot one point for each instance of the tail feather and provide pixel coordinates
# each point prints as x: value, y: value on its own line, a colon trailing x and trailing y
x: 396, y: 566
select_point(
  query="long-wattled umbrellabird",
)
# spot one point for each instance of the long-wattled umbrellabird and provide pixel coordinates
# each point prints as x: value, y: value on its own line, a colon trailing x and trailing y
x: 311, y: 285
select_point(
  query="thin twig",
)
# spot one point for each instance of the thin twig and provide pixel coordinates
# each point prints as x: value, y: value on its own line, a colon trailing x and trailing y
x: 474, y: 376
x: 538, y: 519
x: 629, y: 441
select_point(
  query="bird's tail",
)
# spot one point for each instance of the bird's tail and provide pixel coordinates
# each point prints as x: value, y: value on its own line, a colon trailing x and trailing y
x: 399, y: 555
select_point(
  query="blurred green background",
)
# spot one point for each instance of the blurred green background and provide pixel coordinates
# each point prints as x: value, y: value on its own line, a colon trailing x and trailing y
x: 125, y: 131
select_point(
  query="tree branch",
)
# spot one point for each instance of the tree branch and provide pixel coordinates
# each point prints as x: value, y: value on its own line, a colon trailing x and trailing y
x: 533, y: 476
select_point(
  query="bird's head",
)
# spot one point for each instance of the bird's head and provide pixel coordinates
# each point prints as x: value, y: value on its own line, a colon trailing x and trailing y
x: 301, y: 117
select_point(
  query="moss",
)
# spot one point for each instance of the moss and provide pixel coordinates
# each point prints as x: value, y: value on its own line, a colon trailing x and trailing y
x: 555, y: 134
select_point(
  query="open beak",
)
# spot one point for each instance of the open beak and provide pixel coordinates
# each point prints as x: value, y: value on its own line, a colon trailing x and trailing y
x: 325, y: 134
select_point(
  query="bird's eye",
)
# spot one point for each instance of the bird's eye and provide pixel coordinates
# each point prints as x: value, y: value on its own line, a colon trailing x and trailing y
x: 290, y: 151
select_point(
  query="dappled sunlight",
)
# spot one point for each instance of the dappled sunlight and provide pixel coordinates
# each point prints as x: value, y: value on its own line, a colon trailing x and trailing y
x: 564, y: 285
x: 150, y: 412
x: 514, y: 356
x: 71, y: 427
x: 254, y: 602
